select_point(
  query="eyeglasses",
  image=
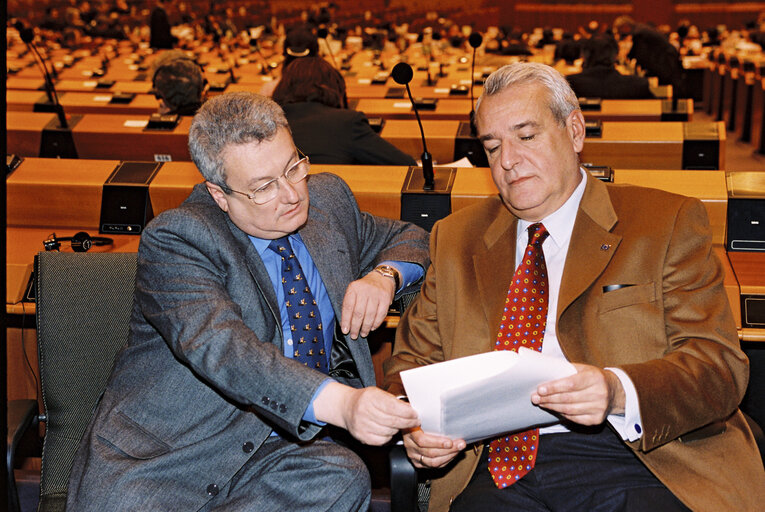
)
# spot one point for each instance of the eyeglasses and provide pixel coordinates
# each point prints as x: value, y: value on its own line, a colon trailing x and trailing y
x: 296, y: 173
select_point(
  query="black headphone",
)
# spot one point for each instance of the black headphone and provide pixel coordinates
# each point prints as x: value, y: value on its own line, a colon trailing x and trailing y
x: 81, y: 241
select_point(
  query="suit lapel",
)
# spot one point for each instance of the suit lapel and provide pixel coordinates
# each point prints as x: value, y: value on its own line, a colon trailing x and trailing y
x: 256, y: 268
x: 329, y: 252
x: 494, y: 265
x: 592, y: 244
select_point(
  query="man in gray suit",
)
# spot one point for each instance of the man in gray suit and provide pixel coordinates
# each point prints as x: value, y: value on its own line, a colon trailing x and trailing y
x: 210, y: 406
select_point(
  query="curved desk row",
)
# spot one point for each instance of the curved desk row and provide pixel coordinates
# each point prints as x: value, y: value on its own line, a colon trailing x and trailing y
x: 73, y: 189
x: 637, y: 145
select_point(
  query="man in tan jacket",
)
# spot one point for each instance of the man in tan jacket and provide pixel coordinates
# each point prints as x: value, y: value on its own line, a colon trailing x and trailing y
x: 635, y: 301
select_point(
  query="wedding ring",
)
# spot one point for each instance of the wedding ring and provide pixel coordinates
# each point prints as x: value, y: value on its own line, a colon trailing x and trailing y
x: 421, y: 460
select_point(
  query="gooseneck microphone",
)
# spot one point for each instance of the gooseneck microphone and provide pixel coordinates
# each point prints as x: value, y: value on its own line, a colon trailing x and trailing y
x: 402, y: 74
x: 475, y: 39
x: 27, y: 36
x: 322, y: 33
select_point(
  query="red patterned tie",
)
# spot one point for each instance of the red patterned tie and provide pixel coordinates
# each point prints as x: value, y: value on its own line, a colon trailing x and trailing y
x: 523, y: 325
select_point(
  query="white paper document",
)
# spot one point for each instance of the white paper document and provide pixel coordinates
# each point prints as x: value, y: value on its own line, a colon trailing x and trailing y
x: 481, y: 396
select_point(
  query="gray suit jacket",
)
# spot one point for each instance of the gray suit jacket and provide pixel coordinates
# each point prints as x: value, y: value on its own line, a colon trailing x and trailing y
x: 202, y: 380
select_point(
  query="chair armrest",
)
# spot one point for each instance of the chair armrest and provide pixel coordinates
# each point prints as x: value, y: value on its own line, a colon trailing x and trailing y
x: 403, y: 481
x: 22, y: 415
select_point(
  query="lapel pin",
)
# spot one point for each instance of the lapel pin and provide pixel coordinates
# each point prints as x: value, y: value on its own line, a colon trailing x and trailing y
x: 605, y: 247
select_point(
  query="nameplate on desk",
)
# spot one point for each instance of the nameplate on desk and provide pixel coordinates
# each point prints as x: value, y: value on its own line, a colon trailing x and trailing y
x: 459, y: 90
x: 162, y: 122
x: 395, y: 92
x: 593, y: 129
x: 590, y: 104
x: 426, y: 103
x: 122, y: 98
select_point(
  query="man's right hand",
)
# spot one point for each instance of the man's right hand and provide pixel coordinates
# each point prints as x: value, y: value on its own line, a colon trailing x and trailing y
x: 371, y: 415
x: 431, y: 450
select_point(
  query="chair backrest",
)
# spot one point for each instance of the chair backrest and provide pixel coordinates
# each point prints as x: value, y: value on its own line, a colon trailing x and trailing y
x: 83, y: 311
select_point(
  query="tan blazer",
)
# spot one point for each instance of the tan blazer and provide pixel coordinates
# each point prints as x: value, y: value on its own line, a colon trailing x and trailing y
x: 670, y: 330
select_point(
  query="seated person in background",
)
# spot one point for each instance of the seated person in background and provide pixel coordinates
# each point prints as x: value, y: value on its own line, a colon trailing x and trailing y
x: 312, y: 94
x: 651, y: 50
x: 178, y: 83
x: 252, y: 303
x: 599, y: 77
x: 636, y: 302
x: 299, y: 42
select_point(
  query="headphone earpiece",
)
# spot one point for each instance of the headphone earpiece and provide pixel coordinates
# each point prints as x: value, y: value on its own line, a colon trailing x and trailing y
x: 80, y: 242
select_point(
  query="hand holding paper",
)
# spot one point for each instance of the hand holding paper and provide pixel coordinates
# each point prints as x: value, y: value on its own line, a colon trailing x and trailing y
x: 480, y: 396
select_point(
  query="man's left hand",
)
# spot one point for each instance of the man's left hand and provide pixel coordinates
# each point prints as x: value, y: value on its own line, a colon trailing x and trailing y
x: 587, y: 397
x: 366, y: 304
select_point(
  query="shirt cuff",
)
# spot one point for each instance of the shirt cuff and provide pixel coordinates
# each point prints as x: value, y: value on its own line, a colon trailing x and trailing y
x: 629, y: 425
x: 410, y: 272
x: 309, y: 415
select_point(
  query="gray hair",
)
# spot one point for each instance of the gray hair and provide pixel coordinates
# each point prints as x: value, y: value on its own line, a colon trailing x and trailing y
x: 562, y: 100
x: 231, y: 118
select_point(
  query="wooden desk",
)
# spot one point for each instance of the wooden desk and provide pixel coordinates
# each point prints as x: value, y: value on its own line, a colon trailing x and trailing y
x: 121, y: 137
x: 45, y: 195
x: 709, y: 186
x: 103, y: 136
x: 623, y: 145
x: 37, y: 84
x: 748, y: 268
x: 84, y: 102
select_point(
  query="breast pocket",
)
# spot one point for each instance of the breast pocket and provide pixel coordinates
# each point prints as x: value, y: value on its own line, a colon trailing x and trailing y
x: 626, y: 295
x: 130, y: 438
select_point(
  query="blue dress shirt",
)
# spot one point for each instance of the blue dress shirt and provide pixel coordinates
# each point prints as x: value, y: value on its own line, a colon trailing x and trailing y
x: 410, y: 273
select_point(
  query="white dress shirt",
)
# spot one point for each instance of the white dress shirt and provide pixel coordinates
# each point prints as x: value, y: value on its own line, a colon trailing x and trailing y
x: 560, y: 225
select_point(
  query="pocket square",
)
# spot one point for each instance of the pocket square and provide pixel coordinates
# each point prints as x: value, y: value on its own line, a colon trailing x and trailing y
x: 612, y: 287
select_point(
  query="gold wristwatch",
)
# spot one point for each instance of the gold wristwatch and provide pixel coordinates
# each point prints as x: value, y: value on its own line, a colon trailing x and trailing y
x: 388, y: 271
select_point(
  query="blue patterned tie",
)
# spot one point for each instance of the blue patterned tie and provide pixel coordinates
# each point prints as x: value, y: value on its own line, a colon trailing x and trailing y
x: 305, y: 320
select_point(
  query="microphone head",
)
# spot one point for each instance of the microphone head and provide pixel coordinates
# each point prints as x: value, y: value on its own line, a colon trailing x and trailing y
x: 27, y: 35
x: 402, y: 73
x: 322, y: 33
x: 475, y: 39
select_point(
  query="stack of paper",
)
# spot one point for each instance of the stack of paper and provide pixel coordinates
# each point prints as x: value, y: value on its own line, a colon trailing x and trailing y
x: 480, y: 396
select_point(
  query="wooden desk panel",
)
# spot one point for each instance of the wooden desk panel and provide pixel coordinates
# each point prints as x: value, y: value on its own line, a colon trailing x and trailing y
x: 25, y: 242
x: 172, y: 185
x: 709, y: 186
x: 90, y: 85
x: 24, y: 100
x: 446, y: 109
x: 107, y: 137
x: 439, y: 135
x: 98, y: 103
x: 470, y: 186
x: 24, y: 132
x: 636, y: 145
x: 377, y: 188
x: 750, y: 271
x: 748, y: 268
x: 57, y: 193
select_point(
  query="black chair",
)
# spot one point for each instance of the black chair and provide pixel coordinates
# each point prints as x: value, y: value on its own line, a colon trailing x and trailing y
x: 83, y: 311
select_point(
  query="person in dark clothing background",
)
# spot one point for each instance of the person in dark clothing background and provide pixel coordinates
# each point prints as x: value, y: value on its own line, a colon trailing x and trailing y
x: 600, y: 79
x: 651, y: 50
x: 312, y: 94
x: 159, y: 26
x: 178, y: 83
